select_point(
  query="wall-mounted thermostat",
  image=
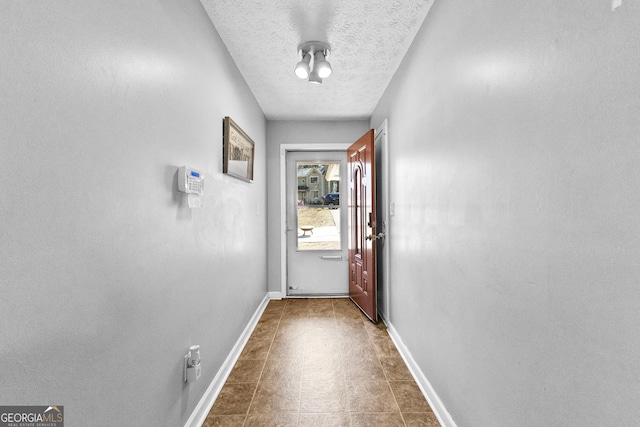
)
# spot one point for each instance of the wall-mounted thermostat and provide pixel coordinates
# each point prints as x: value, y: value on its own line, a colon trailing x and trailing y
x: 190, y: 181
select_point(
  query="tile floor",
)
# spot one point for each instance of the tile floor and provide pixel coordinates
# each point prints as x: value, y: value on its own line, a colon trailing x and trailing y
x: 319, y: 362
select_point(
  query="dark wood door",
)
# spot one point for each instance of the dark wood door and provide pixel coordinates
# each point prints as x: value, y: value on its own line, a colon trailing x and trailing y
x: 362, y: 225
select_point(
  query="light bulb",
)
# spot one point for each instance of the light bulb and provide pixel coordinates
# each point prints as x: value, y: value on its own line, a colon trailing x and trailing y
x: 324, y: 69
x: 302, y: 68
x: 321, y: 65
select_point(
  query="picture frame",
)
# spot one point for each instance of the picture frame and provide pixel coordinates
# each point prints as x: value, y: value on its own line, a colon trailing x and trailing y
x: 238, y: 151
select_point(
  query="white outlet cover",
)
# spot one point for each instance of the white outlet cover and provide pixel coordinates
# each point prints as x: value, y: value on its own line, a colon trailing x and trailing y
x: 194, y: 200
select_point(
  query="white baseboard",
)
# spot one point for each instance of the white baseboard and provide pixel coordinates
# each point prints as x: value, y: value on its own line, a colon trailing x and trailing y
x: 275, y: 295
x: 425, y: 386
x: 199, y: 414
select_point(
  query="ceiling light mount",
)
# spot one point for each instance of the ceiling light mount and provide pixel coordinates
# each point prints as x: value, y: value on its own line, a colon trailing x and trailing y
x: 317, y: 52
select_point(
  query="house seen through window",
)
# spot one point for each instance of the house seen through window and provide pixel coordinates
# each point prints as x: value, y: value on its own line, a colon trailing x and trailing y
x: 318, y: 206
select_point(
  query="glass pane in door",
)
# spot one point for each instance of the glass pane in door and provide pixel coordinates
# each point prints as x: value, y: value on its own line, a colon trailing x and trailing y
x: 318, y: 211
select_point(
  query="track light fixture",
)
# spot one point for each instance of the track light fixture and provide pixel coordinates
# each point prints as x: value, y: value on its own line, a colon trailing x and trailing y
x: 320, y: 69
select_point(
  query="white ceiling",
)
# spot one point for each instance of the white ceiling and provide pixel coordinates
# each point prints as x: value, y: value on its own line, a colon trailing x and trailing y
x: 368, y: 40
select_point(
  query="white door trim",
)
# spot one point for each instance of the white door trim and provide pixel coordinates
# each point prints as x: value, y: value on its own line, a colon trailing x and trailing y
x: 284, y: 148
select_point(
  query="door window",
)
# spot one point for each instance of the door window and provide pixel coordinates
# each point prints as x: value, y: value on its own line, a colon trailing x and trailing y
x: 318, y: 206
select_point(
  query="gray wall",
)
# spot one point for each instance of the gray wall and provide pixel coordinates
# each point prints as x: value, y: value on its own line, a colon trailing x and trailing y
x: 296, y: 132
x: 106, y: 276
x: 515, y: 173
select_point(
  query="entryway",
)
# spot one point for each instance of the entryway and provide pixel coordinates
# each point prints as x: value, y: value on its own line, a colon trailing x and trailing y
x: 317, y: 249
x: 354, y: 228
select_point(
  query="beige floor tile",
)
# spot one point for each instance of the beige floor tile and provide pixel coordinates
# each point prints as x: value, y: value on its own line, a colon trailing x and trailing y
x: 409, y: 396
x: 256, y: 349
x: 320, y: 307
x: 354, y: 335
x: 321, y: 312
x: 287, y: 347
x: 323, y: 397
x: 299, y: 325
x: 272, y: 420
x: 370, y: 396
x: 426, y: 419
x: 345, y: 306
x: 351, y: 329
x: 224, y: 421
x: 363, y: 369
x: 296, y: 307
x: 264, y: 331
x: 322, y: 368
x: 321, y: 345
x: 271, y: 315
x: 378, y: 330
x: 298, y: 302
x: 276, y: 397
x: 357, y: 350
x: 370, y: 420
x: 234, y: 399
x: 342, y: 302
x: 324, y: 420
x: 295, y: 314
x: 282, y: 369
x: 321, y: 302
x: 325, y: 326
x: 385, y: 347
x: 275, y: 304
x: 246, y: 371
x: 352, y: 316
x: 395, y: 369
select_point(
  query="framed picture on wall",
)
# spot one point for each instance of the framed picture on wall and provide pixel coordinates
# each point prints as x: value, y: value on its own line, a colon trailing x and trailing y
x: 237, y: 152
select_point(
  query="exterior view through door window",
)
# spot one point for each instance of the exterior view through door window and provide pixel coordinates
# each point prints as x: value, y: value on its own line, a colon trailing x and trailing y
x: 318, y: 206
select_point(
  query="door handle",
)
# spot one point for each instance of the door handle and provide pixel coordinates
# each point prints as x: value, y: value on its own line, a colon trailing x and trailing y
x: 376, y: 237
x: 331, y: 256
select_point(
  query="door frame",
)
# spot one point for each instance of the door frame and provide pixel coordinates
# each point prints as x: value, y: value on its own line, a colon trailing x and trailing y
x: 284, y: 148
x: 383, y: 203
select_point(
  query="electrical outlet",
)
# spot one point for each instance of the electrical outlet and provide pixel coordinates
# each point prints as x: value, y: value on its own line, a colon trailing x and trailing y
x: 193, y: 373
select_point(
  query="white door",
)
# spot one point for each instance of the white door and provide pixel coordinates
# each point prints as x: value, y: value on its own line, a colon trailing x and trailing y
x: 317, y: 251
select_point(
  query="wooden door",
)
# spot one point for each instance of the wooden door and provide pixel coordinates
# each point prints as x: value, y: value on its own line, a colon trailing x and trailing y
x: 362, y: 225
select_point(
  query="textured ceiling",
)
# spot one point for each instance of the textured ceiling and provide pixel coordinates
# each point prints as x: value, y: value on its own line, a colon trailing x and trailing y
x: 368, y: 40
